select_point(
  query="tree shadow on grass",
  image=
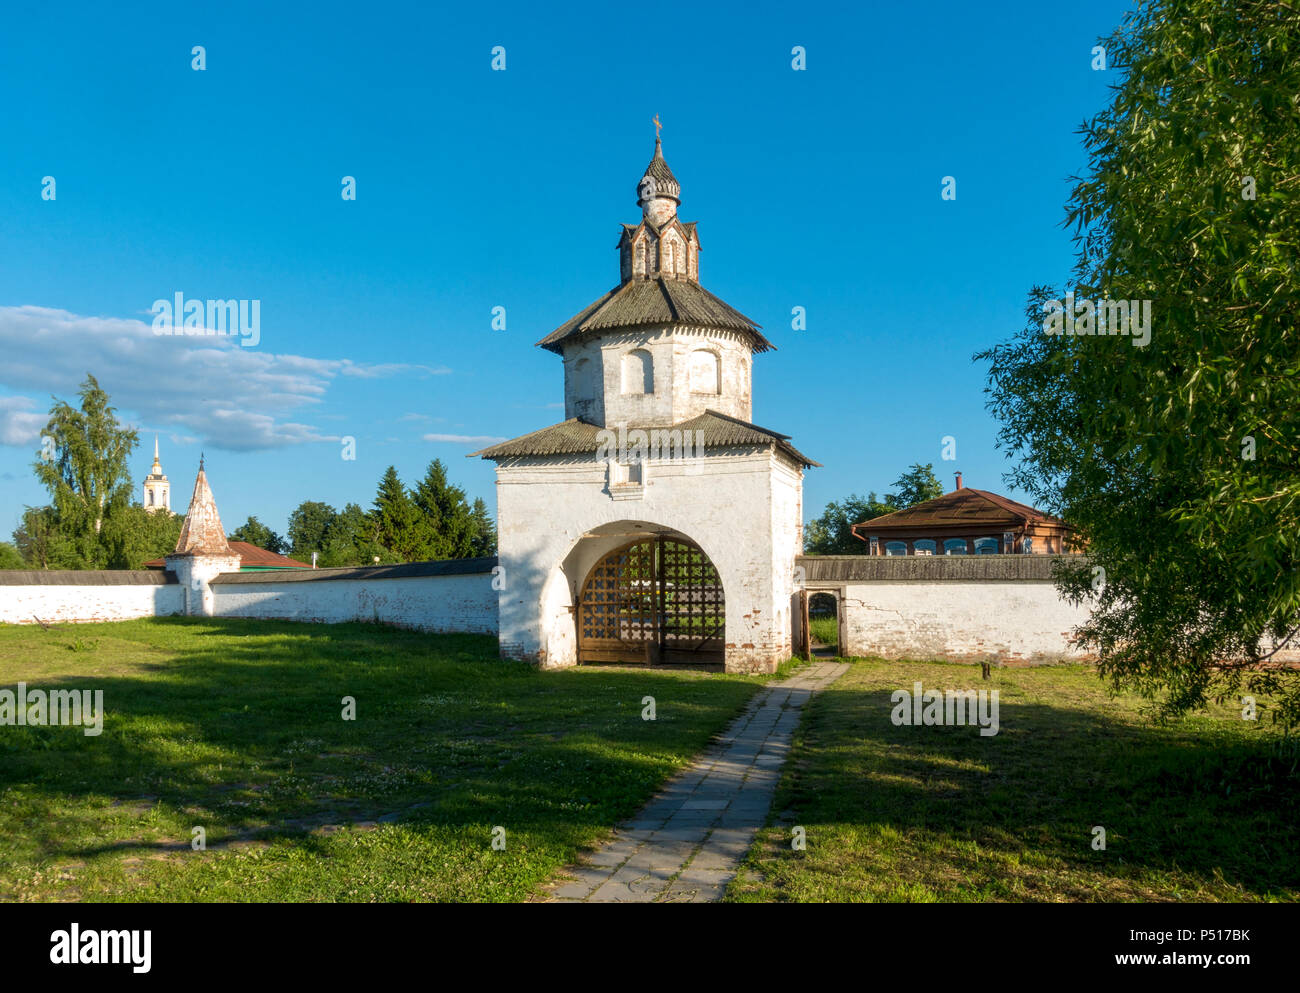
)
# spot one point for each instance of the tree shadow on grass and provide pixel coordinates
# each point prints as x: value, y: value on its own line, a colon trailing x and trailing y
x: 1205, y: 802
x: 243, y: 731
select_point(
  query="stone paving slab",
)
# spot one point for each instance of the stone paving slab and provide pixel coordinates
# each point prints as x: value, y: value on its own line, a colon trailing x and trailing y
x: 685, y: 845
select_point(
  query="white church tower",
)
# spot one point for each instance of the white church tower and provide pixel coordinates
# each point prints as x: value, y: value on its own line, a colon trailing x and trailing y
x: 657, y: 524
x: 157, y: 490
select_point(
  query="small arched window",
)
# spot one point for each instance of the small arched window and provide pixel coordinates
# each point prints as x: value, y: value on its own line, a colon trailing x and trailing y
x: 954, y: 546
x: 638, y: 372
x: 924, y: 546
x: 706, y: 372
x: 895, y: 548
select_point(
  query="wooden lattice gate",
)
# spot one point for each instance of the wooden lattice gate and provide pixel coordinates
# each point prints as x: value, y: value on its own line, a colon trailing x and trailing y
x: 655, y: 601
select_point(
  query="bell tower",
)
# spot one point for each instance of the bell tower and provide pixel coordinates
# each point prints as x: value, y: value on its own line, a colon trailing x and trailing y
x: 157, y: 490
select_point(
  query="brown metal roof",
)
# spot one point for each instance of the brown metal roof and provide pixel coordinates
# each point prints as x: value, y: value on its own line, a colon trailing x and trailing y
x: 960, y: 508
x: 642, y: 301
x: 577, y: 437
x: 250, y: 557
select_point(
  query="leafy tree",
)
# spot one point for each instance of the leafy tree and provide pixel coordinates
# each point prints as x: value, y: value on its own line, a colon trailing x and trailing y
x: 401, y: 528
x: 88, y: 475
x: 10, y: 557
x: 917, y: 485
x: 307, y: 527
x: 1175, y: 456
x: 484, y: 540
x: 43, y: 545
x: 350, y: 539
x: 134, y: 536
x: 256, y: 533
x: 830, y: 534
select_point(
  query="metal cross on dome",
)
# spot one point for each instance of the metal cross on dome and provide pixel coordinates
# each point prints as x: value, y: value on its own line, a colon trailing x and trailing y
x: 657, y: 125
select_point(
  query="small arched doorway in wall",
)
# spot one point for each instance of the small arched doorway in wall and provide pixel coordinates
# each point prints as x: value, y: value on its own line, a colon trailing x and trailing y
x: 656, y: 601
x: 824, y: 621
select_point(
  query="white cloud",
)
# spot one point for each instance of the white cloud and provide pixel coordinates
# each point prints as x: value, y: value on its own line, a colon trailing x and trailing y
x: 236, y: 398
x: 465, y: 439
x: 20, y: 423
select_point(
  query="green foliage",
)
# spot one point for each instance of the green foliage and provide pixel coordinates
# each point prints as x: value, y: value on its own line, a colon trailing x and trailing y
x: 256, y: 533
x: 401, y: 528
x: 133, y: 536
x: 88, y: 476
x: 349, y: 539
x: 10, y: 557
x: 434, y: 521
x: 484, y: 542
x: 1177, y: 460
x: 89, y: 482
x: 830, y: 534
x: 917, y: 485
x: 307, y: 527
x: 448, y: 516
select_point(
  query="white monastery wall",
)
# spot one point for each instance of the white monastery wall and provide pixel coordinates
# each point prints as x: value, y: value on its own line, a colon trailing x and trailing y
x: 454, y: 603
x: 1013, y: 621
x: 108, y: 600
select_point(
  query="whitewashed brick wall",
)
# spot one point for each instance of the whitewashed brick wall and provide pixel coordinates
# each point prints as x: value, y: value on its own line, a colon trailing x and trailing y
x: 70, y: 604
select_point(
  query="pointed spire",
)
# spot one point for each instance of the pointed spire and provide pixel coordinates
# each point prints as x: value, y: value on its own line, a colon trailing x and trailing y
x: 202, y: 533
x: 658, y: 194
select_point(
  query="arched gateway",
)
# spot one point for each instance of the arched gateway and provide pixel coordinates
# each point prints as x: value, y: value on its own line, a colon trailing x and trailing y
x: 593, y: 513
x: 656, y: 601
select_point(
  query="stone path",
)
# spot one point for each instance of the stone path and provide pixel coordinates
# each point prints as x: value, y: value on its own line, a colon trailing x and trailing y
x: 686, y: 844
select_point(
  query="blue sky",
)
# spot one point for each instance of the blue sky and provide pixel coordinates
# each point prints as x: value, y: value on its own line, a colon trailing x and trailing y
x: 478, y: 188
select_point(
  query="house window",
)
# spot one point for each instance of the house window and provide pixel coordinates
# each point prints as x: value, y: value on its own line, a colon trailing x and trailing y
x: 706, y: 372
x: 638, y: 372
x: 954, y: 546
x: 923, y: 547
x: 1027, y: 545
x: 895, y: 548
x: 986, y: 546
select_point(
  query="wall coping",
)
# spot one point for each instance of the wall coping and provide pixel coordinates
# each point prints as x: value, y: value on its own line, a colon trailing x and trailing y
x: 86, y: 577
x: 930, y: 568
x: 408, y: 570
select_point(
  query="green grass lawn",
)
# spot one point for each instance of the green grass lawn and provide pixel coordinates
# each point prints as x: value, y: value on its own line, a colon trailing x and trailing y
x: 825, y: 630
x: 1201, y: 810
x: 236, y: 726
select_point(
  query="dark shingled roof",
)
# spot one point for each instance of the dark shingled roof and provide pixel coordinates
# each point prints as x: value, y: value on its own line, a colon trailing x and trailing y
x: 86, y: 577
x: 656, y: 301
x: 665, y: 182
x: 576, y: 437
x: 929, y: 568
x: 408, y: 570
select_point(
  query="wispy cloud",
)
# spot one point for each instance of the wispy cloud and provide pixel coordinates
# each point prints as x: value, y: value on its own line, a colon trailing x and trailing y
x: 465, y: 439
x: 231, y: 397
